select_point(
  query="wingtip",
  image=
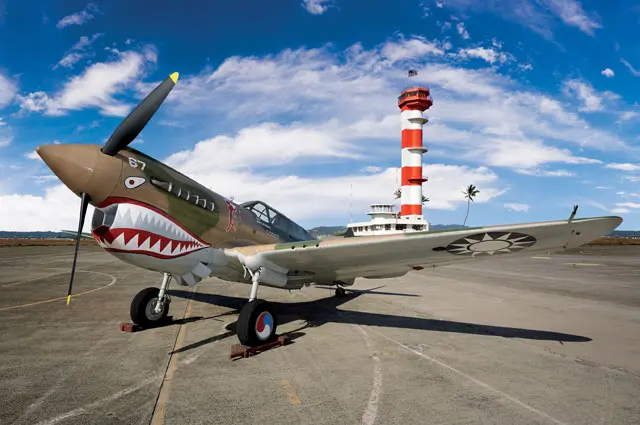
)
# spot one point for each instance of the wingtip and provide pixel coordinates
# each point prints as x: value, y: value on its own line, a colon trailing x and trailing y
x: 174, y: 77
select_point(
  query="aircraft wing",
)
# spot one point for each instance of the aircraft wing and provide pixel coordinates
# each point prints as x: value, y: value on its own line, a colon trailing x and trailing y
x: 394, y: 255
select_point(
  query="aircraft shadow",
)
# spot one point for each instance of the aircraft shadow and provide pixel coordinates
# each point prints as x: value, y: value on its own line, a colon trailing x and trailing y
x: 325, y: 310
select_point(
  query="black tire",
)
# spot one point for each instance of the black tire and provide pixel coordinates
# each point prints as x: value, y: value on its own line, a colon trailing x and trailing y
x: 142, y: 308
x: 247, y: 326
x: 340, y: 292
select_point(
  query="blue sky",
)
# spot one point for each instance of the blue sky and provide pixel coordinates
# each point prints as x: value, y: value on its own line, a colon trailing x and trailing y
x: 294, y: 102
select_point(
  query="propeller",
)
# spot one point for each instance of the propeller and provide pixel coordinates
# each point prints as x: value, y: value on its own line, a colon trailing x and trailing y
x: 84, y: 202
x: 124, y: 134
x: 133, y: 124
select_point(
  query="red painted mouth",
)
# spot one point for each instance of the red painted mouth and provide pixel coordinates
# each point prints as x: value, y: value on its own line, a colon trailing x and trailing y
x: 138, y: 228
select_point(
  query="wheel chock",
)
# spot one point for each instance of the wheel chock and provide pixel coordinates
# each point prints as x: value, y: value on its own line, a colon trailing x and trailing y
x: 238, y: 350
x: 130, y: 327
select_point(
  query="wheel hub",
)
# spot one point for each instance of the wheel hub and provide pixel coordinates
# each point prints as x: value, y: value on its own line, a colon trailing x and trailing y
x: 150, y: 309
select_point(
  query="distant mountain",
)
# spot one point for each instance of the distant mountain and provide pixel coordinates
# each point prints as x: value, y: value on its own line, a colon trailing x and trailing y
x: 634, y: 234
x: 326, y: 230
x: 35, y: 235
x: 447, y: 227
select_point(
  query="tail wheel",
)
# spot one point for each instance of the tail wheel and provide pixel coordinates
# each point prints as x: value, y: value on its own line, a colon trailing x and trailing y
x: 257, y: 324
x: 143, y: 308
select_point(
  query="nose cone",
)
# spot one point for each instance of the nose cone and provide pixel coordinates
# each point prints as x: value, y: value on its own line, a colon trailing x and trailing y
x: 83, y: 169
x: 73, y: 164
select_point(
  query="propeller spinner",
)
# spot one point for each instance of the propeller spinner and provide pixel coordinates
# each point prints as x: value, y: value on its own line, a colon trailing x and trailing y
x: 123, y: 135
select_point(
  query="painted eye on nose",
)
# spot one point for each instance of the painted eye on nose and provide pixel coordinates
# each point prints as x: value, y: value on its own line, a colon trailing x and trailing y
x: 133, y: 182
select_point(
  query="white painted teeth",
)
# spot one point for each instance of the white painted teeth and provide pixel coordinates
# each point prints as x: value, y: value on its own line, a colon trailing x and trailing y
x: 135, y: 217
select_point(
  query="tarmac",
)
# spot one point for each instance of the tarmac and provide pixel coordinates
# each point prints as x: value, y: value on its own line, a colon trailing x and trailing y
x: 551, y: 339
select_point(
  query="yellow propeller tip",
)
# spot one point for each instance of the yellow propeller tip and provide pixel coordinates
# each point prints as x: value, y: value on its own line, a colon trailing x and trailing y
x: 68, y: 299
x: 174, y: 77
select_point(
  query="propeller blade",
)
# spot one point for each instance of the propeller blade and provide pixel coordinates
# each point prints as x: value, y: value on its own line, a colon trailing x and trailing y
x: 84, y: 202
x: 133, y: 124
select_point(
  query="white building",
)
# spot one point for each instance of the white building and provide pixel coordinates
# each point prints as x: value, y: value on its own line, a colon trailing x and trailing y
x: 386, y: 221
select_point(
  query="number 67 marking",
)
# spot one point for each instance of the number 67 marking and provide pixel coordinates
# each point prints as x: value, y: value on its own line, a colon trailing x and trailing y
x: 134, y: 163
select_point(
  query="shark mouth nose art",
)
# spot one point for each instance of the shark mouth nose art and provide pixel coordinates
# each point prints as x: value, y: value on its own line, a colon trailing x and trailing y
x: 141, y: 229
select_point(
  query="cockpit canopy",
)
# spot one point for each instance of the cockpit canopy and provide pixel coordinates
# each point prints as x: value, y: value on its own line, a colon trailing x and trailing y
x: 277, y: 222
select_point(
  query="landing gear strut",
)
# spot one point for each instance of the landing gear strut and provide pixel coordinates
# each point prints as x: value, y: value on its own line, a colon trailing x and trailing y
x: 256, y: 324
x: 150, y: 306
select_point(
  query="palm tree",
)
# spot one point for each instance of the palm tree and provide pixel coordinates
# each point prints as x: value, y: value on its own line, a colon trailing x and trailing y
x: 470, y: 193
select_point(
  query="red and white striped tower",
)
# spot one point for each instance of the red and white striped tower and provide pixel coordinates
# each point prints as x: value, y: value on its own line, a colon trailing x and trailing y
x: 412, y: 102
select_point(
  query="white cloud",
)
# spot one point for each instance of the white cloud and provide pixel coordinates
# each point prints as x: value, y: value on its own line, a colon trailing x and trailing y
x: 634, y: 205
x: 444, y: 26
x: 78, y: 51
x: 6, y: 135
x: 559, y: 173
x: 537, y: 15
x: 591, y: 99
x: 608, y: 72
x: 315, y: 7
x: 527, y: 67
x: 8, y: 90
x: 267, y: 144
x: 414, y: 48
x: 628, y: 115
x: 620, y: 211
x: 524, y: 153
x: 371, y: 169
x: 58, y: 209
x: 462, y: 31
x: 517, y: 207
x: 96, y: 87
x: 78, y: 18
x: 234, y: 166
x: 572, y: 14
x: 603, y: 187
x: 631, y: 68
x: 624, y: 166
x: 353, y: 92
x: 488, y: 55
x: 547, y: 173
x: 32, y: 155
x: 69, y: 60
x: 634, y: 179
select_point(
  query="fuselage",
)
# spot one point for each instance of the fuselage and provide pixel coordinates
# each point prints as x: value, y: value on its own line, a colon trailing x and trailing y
x: 150, y: 215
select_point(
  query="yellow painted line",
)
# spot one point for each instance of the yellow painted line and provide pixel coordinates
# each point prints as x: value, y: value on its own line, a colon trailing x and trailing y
x: 163, y: 397
x: 113, y: 280
x: 289, y: 391
x: 582, y: 264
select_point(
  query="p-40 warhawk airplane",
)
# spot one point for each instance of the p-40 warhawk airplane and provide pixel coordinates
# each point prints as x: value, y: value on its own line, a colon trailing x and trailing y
x: 150, y: 215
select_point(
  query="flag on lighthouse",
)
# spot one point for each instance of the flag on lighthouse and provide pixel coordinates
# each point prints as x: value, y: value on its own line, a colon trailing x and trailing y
x: 412, y: 73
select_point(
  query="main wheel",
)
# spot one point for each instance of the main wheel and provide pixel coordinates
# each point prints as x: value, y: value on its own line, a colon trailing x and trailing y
x: 142, y: 308
x: 256, y: 324
x: 340, y: 292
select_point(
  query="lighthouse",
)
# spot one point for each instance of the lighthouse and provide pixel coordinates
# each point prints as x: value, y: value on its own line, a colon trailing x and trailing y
x: 412, y: 103
x: 384, y: 220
